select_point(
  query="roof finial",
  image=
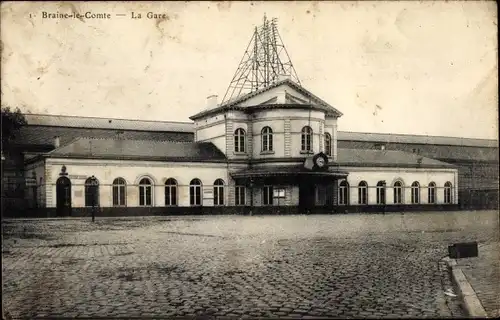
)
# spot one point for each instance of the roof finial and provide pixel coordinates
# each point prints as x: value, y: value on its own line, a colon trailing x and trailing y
x: 265, y: 61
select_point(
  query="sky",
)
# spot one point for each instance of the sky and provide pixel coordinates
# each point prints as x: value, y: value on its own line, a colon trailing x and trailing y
x: 390, y: 67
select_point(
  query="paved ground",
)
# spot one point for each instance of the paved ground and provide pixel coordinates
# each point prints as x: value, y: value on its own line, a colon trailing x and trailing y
x: 235, y: 266
x: 483, y: 273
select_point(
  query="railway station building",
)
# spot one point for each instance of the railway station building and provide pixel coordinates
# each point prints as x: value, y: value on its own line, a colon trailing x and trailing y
x: 273, y: 149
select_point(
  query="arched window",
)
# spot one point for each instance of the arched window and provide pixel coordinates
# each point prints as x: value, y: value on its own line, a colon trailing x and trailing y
x: 447, y: 192
x: 195, y: 192
x: 219, y: 192
x: 306, y: 139
x: 328, y: 144
x: 363, y: 192
x: 381, y: 192
x: 415, y: 192
x: 171, y: 192
x: 119, y: 192
x: 267, y: 139
x: 239, y: 140
x: 398, y: 192
x: 145, y: 192
x: 91, y: 192
x: 431, y: 193
x: 344, y: 193
x: 63, y: 196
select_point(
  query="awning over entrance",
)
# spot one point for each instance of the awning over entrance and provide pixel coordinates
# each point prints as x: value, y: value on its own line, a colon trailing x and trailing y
x: 288, y: 171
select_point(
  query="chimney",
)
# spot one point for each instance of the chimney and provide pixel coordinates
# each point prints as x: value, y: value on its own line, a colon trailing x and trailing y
x: 212, y: 101
x: 283, y: 77
x: 281, y: 97
x: 57, y: 142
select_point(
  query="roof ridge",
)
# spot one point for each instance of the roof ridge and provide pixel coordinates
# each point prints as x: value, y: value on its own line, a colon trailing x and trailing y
x: 138, y: 140
x: 102, y: 118
x: 415, y: 135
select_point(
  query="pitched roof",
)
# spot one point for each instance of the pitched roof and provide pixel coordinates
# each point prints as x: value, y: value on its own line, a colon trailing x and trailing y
x: 44, y: 135
x: 414, y: 139
x: 107, y: 123
x: 232, y: 103
x: 444, y: 153
x: 140, y: 150
x: 42, y: 129
x: 385, y: 158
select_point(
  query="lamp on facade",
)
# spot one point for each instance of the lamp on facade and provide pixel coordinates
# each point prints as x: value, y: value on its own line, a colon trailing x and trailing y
x: 251, y: 184
x: 93, y: 184
x: 63, y: 171
x: 384, y: 184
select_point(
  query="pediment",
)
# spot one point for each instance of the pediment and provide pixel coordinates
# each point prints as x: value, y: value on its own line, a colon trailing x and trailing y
x: 283, y: 94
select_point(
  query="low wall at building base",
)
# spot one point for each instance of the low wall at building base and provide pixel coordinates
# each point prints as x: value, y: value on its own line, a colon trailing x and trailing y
x: 233, y: 210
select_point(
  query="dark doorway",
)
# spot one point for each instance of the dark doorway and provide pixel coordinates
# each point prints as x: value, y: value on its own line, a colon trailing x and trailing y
x: 92, y: 192
x: 63, y: 197
x: 330, y: 192
x: 306, y: 196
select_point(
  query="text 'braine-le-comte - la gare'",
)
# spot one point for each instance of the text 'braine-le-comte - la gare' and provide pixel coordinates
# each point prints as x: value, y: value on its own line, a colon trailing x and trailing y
x: 94, y: 15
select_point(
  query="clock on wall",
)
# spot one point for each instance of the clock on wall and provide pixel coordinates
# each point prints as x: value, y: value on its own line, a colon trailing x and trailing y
x: 316, y: 162
x: 320, y: 162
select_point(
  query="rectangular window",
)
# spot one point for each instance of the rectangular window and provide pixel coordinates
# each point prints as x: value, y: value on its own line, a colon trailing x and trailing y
x: 343, y: 195
x: 380, y: 195
x: 279, y: 196
x: 431, y: 195
x: 118, y: 195
x: 122, y: 196
x: 142, y: 195
x: 145, y: 196
x: 279, y: 193
x: 362, y: 195
x: 240, y: 196
x: 447, y: 195
x: 306, y: 143
x: 195, y: 195
x: 415, y: 195
x: 267, y: 196
x: 219, y: 195
x: 148, y: 196
x: 171, y: 196
x: 398, y: 195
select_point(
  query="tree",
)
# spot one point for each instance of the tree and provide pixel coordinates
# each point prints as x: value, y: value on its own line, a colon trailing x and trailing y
x: 12, y: 120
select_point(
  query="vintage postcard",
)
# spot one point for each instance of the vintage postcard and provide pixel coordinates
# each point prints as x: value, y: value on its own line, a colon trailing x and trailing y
x: 274, y: 159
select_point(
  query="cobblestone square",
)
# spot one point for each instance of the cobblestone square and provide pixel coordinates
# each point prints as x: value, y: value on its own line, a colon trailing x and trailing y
x: 302, y: 266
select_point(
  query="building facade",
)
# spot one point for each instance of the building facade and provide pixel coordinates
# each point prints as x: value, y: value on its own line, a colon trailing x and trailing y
x: 274, y: 148
x: 272, y: 151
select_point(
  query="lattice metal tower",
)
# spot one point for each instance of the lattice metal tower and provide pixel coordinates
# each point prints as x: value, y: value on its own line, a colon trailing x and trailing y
x: 264, y: 62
